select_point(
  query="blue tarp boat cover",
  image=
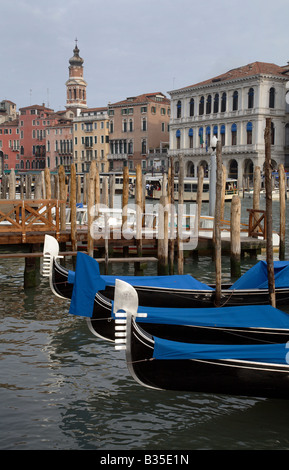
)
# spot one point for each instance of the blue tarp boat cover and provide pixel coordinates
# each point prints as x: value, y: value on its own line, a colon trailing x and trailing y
x: 90, y: 265
x: 87, y: 281
x: 257, y: 277
x: 268, y: 353
x: 256, y: 316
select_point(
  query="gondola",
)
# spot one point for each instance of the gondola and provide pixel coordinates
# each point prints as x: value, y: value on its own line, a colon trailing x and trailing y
x: 254, y: 370
x: 240, y: 324
x: 170, y: 291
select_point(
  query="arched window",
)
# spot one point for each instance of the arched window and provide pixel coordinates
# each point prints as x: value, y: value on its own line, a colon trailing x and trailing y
x: 192, y: 107
x: 272, y: 134
x: 201, y: 138
x: 251, y: 98
x: 249, y: 129
x: 179, y: 109
x: 233, y: 169
x: 235, y: 101
x: 216, y: 103
x: 224, y: 102
x: 201, y: 106
x: 272, y: 98
x: 223, y: 134
x: 234, y: 134
x: 215, y: 131
x: 287, y: 135
x: 130, y: 147
x: 144, y: 146
x: 208, y: 137
x: 209, y: 105
x: 178, y: 137
x: 191, y: 135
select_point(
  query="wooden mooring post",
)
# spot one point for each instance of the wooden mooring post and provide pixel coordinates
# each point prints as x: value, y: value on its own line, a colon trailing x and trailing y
x: 72, y: 200
x: 125, y: 194
x: 217, y: 225
x: 163, y: 228
x: 269, y: 223
x: 171, y: 200
x: 235, y: 226
x: 200, y: 191
x: 180, y: 216
x: 282, y: 201
x: 139, y: 217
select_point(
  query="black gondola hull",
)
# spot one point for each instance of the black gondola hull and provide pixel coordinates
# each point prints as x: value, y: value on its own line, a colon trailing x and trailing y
x: 182, y: 298
x: 102, y: 324
x: 207, y: 376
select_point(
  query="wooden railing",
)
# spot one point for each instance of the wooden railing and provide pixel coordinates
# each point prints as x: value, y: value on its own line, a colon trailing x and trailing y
x: 257, y: 223
x: 25, y: 216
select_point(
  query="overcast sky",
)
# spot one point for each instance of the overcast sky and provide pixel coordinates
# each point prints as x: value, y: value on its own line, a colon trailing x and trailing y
x: 132, y: 47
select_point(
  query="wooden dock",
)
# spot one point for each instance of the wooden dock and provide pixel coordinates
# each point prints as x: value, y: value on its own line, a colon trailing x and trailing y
x: 25, y: 221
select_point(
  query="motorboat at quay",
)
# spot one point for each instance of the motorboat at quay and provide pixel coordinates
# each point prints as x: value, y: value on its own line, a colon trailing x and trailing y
x: 154, y: 188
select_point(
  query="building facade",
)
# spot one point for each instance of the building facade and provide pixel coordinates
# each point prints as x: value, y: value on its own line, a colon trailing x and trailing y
x: 33, y: 122
x: 9, y: 146
x: 59, y: 147
x: 233, y: 107
x: 91, y: 139
x: 8, y: 111
x: 137, y: 125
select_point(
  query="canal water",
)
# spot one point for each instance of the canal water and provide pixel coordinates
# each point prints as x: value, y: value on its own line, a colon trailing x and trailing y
x: 64, y: 389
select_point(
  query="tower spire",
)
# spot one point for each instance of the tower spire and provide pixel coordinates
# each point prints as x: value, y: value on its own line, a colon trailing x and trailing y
x: 76, y: 85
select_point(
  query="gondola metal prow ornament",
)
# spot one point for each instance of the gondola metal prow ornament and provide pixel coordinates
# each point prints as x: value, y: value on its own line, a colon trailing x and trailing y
x: 50, y: 252
x: 125, y: 306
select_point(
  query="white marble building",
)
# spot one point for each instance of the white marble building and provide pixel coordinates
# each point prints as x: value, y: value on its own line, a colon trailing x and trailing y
x: 234, y: 107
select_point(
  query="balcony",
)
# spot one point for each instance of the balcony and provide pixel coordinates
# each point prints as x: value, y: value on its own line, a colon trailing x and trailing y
x: 226, y: 150
x: 117, y: 156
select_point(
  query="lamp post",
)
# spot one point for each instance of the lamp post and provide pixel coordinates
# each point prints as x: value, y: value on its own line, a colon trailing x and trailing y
x: 213, y: 177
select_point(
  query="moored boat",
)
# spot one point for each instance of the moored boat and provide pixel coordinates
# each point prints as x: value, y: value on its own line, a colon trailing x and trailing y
x: 242, y: 324
x: 181, y: 291
x: 154, y: 188
x: 259, y: 370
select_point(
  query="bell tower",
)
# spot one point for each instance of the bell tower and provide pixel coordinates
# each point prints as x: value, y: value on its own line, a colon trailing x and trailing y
x: 76, y: 85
